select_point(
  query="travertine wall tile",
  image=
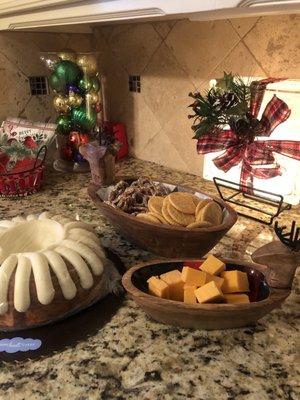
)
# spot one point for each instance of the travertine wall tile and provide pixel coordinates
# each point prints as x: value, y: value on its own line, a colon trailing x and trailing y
x: 243, y: 25
x: 134, y: 112
x: 189, y: 55
x: 133, y: 45
x: 164, y: 84
x: 19, y: 59
x: 275, y: 42
x: 200, y: 46
x: 14, y: 89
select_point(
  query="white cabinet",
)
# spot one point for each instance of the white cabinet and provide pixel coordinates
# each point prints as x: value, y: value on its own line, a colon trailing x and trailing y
x: 21, y: 14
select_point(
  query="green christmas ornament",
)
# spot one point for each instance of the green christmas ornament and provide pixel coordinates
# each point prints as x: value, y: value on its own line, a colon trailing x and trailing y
x: 55, y: 83
x: 67, y: 72
x: 95, y: 83
x: 64, y: 124
x: 85, y: 84
x: 83, y: 118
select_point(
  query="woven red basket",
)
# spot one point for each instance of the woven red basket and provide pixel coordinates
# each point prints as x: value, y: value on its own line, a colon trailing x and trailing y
x: 25, y: 182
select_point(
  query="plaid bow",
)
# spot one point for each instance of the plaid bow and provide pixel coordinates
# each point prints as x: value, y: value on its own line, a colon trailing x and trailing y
x: 256, y: 157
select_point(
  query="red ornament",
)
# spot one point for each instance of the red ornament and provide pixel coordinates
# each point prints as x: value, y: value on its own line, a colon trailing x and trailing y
x: 77, y: 139
x: 66, y: 153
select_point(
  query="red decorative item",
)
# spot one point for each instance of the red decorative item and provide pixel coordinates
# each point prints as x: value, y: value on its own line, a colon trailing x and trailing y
x: 77, y: 139
x: 119, y: 132
x: 25, y: 181
x: 256, y: 156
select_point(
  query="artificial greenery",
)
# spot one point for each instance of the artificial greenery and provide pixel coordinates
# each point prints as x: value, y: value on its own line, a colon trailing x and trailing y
x: 225, y: 104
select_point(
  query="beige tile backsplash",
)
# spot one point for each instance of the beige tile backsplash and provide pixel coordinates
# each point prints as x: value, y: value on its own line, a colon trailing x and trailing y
x: 172, y: 58
x: 19, y: 59
x: 176, y: 57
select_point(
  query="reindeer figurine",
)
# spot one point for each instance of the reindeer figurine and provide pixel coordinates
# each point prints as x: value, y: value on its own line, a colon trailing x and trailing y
x: 280, y: 258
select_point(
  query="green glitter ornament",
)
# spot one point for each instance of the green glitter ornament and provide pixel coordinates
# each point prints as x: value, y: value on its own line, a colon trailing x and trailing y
x: 55, y: 83
x: 64, y: 124
x: 85, y: 84
x: 83, y: 118
x: 66, y: 73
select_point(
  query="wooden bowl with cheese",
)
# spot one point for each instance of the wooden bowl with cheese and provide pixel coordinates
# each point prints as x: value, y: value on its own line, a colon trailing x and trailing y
x: 219, y: 303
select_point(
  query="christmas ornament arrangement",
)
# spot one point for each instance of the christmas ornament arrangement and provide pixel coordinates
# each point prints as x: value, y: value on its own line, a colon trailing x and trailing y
x: 226, y: 118
x: 23, y: 147
x: 75, y: 83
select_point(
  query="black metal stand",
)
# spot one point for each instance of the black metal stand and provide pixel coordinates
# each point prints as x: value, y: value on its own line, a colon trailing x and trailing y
x: 261, y: 196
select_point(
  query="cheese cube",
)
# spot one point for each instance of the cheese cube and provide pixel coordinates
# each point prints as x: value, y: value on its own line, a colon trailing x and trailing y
x: 175, y: 283
x: 209, y: 293
x: 217, y: 279
x: 213, y: 266
x: 192, y: 276
x: 235, y: 281
x: 189, y: 296
x: 236, y: 298
x: 158, y: 288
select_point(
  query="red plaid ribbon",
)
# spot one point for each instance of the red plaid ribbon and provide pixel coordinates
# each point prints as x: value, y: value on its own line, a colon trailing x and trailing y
x: 256, y: 157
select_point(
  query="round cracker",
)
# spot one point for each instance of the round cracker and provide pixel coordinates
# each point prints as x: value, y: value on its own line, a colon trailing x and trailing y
x: 166, y: 214
x: 155, y: 204
x: 200, y: 206
x: 183, y: 201
x: 199, y: 224
x: 158, y: 216
x: 179, y: 217
x: 212, y: 212
x: 147, y: 217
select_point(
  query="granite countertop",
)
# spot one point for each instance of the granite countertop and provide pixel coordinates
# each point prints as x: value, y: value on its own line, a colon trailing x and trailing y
x: 133, y: 357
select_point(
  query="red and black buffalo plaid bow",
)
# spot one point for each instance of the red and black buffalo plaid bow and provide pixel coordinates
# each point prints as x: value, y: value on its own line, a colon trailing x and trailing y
x: 256, y: 156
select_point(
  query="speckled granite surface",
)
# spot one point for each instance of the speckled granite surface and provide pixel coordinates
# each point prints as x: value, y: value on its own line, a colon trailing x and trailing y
x: 136, y: 358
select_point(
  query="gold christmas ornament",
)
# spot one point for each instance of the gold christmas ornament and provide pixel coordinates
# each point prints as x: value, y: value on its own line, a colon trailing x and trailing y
x: 92, y: 97
x: 69, y: 55
x: 74, y: 99
x: 60, y: 104
x: 88, y: 63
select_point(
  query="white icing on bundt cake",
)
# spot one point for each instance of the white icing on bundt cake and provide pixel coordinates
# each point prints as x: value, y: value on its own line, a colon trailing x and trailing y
x: 37, y: 245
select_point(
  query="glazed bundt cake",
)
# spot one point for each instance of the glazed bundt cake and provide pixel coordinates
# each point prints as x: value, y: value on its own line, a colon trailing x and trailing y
x: 50, y: 267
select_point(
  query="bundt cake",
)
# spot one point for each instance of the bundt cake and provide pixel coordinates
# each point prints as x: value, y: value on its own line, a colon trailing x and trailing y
x: 50, y: 267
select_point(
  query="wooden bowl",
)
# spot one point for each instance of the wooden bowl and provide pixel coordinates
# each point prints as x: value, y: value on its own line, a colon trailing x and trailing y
x: 263, y: 298
x: 166, y: 240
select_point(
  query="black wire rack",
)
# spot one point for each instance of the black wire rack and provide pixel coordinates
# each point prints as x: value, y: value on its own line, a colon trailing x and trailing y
x: 262, y: 206
x: 290, y: 238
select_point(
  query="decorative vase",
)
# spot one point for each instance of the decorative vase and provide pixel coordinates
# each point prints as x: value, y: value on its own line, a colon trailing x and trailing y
x: 76, y: 86
x: 102, y: 162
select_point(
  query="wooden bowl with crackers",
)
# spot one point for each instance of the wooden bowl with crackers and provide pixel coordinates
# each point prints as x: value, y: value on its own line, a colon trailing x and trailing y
x: 183, y: 223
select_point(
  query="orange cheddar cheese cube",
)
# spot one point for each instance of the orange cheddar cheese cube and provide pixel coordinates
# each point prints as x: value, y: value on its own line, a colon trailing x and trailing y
x: 158, y: 288
x: 235, y: 281
x: 217, y: 279
x: 209, y: 293
x: 236, y: 298
x: 192, y: 276
x: 175, y: 283
x: 213, y: 266
x: 189, y: 296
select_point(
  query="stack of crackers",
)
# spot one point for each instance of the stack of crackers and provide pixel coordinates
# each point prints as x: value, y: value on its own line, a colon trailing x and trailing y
x: 183, y: 209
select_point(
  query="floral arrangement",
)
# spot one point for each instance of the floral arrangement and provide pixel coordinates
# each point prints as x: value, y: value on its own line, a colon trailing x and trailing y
x: 226, y: 118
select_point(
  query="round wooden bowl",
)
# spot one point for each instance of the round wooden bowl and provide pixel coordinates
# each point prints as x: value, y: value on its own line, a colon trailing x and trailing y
x: 166, y: 240
x: 263, y: 298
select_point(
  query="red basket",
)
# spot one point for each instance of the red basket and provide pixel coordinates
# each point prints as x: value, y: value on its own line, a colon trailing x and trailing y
x: 25, y: 182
